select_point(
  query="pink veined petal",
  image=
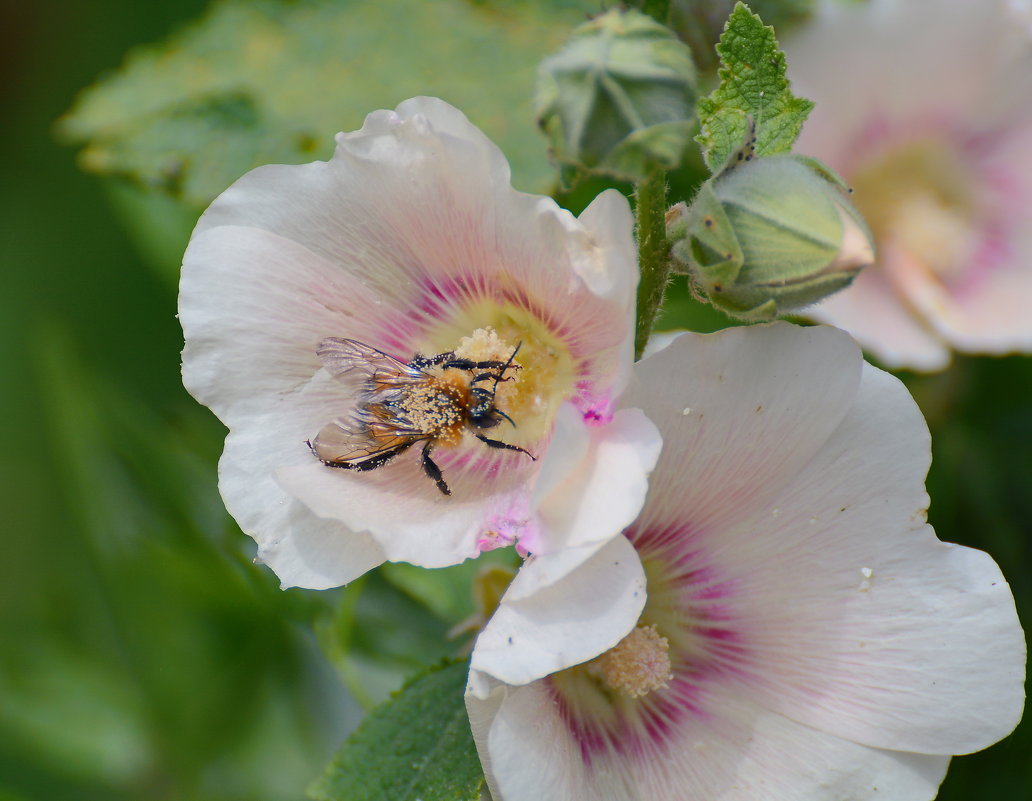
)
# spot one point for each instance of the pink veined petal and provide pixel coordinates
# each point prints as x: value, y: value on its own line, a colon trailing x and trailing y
x: 843, y: 609
x: 968, y: 50
x: 856, y: 619
x: 992, y: 317
x: 741, y: 753
x: 251, y: 334
x: 752, y: 408
x: 542, y: 626
x: 988, y: 312
x: 412, y: 520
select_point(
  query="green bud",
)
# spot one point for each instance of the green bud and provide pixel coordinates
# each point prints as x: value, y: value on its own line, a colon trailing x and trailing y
x: 768, y: 235
x: 619, y: 97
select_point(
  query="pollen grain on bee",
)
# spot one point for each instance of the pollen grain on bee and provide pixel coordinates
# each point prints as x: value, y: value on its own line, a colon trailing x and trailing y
x: 435, y: 408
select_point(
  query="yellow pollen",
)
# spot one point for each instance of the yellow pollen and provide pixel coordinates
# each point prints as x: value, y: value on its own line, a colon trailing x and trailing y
x: 432, y: 409
x: 483, y: 345
x: 542, y: 375
x: 638, y: 664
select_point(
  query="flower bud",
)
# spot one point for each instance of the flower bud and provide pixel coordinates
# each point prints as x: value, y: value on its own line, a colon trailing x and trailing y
x: 619, y: 97
x: 768, y: 235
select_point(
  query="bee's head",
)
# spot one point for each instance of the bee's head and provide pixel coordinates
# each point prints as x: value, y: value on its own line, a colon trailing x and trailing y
x: 482, y: 410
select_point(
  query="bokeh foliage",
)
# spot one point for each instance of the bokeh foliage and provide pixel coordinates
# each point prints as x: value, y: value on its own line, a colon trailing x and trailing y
x: 271, y: 82
x: 143, y: 655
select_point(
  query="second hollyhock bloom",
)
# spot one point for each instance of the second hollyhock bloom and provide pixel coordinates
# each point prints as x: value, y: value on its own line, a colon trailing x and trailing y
x: 402, y: 309
x: 796, y: 630
x: 925, y: 108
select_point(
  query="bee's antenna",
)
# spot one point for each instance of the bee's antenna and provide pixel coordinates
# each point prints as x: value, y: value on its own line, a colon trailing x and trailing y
x: 502, y: 372
x: 503, y: 414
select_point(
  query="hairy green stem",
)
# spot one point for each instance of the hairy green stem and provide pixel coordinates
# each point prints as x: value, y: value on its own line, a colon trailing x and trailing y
x: 653, y: 253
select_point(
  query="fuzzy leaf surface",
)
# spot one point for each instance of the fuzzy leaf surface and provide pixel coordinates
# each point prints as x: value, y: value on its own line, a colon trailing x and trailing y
x: 415, y: 747
x: 753, y: 84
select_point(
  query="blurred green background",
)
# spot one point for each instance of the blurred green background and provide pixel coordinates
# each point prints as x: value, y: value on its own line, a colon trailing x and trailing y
x: 142, y: 655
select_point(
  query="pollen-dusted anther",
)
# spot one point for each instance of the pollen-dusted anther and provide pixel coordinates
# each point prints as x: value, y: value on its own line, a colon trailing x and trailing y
x: 484, y: 344
x: 639, y: 664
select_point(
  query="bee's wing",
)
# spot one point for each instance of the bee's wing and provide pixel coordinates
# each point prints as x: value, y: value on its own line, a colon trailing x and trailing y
x: 353, y: 360
x: 353, y: 442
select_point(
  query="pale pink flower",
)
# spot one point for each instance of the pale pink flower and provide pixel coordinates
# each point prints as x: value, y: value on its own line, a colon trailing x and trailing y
x: 805, y: 635
x: 411, y: 240
x: 925, y: 107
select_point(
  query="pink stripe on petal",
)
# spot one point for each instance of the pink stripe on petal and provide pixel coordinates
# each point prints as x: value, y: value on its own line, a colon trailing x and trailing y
x: 691, y: 603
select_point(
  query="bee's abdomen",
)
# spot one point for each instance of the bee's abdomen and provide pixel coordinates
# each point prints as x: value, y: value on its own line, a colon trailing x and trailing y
x: 436, y: 410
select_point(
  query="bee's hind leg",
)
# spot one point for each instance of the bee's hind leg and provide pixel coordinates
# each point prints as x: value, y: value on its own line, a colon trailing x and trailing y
x: 496, y: 443
x: 431, y: 469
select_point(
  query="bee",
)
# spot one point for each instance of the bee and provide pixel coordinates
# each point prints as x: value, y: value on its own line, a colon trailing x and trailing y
x: 402, y: 404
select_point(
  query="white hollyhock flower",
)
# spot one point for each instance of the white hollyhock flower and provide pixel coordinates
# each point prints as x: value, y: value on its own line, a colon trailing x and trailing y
x: 307, y: 293
x: 805, y: 634
x: 925, y: 107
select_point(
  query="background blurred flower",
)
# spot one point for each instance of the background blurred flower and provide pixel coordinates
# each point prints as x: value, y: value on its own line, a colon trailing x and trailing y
x: 805, y: 634
x: 925, y: 107
x: 410, y: 240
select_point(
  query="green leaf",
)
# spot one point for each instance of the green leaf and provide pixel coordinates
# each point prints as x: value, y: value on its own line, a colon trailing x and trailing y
x: 254, y: 83
x: 753, y: 86
x: 415, y: 747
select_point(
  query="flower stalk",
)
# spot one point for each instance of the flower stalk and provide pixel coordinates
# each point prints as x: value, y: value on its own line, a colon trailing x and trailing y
x: 653, y: 253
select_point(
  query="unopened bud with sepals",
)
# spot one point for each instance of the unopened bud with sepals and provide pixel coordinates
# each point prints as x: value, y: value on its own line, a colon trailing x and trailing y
x: 765, y: 236
x: 619, y: 97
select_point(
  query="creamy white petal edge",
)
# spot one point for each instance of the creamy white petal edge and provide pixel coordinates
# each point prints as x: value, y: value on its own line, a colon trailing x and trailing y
x: 861, y: 632
x: 291, y: 254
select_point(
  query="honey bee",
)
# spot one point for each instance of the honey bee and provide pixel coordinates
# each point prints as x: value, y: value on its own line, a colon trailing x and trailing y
x: 401, y: 404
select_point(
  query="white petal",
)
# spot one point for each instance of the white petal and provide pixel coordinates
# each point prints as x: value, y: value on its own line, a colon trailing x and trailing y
x: 751, y: 406
x: 612, y: 273
x: 251, y: 333
x: 303, y: 550
x: 542, y: 627
x: 424, y: 528
x: 594, y: 479
x: 737, y: 751
x: 856, y: 619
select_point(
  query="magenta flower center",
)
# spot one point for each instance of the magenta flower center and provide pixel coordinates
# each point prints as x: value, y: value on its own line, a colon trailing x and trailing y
x: 632, y: 699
